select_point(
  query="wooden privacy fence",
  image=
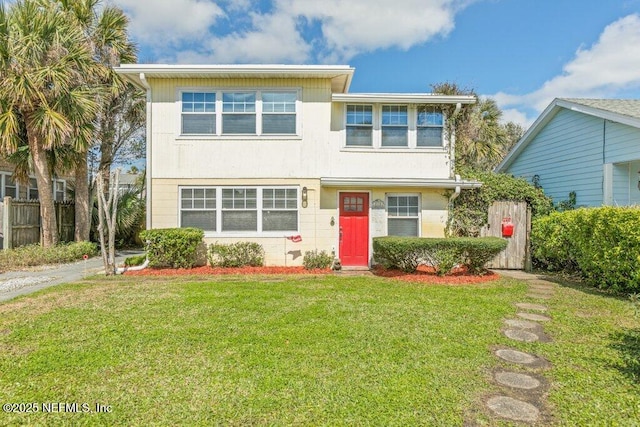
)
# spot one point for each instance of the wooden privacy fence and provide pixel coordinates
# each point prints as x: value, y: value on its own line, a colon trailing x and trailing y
x: 20, y: 222
x: 517, y: 254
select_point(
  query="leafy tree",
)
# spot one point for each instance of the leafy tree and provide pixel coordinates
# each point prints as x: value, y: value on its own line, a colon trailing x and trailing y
x: 50, y: 85
x: 481, y: 139
x: 105, y: 30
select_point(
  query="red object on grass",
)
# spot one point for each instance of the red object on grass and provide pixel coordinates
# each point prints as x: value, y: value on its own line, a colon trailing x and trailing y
x: 85, y: 257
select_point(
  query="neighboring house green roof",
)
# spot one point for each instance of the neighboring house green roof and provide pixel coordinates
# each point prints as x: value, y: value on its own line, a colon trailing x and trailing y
x: 625, y: 111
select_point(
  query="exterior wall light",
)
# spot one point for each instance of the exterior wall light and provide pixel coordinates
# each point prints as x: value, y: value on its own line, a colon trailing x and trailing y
x: 305, y: 197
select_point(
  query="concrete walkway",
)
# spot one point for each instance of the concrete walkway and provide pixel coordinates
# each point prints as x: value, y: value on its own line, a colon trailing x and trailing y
x: 29, y: 280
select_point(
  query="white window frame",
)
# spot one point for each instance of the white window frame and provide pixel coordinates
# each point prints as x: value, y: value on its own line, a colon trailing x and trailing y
x: 201, y: 113
x: 404, y: 126
x: 371, y: 126
x: 376, y: 129
x: 258, y: 134
x: 193, y: 199
x: 219, y: 232
x: 5, y: 178
x: 429, y: 126
x: 418, y: 218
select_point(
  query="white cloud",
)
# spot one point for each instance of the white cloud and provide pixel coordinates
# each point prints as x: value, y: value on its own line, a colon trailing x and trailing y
x: 359, y: 26
x: 274, y: 39
x: 159, y: 22
x: 605, y: 69
x: 277, y: 34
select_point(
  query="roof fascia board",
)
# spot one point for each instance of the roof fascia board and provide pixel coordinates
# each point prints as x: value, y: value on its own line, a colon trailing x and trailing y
x: 412, y: 98
x: 424, y: 183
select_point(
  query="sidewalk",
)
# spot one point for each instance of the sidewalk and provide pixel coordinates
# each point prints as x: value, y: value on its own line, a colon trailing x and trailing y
x: 15, y: 283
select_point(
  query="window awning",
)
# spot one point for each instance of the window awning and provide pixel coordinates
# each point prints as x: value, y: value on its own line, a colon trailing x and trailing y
x: 399, y: 182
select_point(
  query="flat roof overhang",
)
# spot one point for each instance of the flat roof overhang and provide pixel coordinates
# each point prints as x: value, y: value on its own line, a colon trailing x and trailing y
x: 340, y: 75
x: 399, y: 182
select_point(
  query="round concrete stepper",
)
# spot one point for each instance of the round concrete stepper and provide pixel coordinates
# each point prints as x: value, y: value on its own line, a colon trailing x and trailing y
x: 520, y: 335
x: 534, y: 316
x: 513, y: 409
x: 528, y: 306
x: 515, y: 356
x: 515, y: 380
x: 522, y: 324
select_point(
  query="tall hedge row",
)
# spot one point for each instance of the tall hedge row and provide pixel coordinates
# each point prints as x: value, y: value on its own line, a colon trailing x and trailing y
x: 600, y: 244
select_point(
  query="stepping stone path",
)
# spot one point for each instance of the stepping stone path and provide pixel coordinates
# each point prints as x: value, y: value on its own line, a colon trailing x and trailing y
x: 521, y: 401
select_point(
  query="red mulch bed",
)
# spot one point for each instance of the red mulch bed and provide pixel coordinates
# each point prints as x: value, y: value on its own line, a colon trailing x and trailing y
x: 423, y: 275
x: 459, y: 276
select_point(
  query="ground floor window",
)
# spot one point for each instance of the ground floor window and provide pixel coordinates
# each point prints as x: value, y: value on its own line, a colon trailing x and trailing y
x: 403, y: 215
x: 239, y: 209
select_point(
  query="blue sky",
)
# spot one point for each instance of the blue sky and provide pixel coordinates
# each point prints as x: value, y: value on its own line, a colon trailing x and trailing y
x: 523, y: 53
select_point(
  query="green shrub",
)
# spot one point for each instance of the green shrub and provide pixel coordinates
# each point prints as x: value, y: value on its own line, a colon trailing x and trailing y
x: 600, y: 244
x: 314, y: 259
x: 173, y: 247
x: 471, y: 208
x: 239, y: 254
x: 32, y: 255
x: 407, y: 253
x: 135, y: 260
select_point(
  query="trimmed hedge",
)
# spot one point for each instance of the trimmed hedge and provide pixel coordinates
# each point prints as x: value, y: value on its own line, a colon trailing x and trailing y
x: 443, y: 254
x: 600, y: 244
x: 240, y: 254
x: 173, y: 247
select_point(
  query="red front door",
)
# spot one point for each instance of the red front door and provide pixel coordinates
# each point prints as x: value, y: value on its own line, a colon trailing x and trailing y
x: 354, y: 229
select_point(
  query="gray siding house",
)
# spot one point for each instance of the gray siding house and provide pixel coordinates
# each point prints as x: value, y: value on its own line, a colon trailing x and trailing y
x: 587, y: 146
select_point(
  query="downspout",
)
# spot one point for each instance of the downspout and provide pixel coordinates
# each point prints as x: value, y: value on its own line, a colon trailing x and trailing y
x: 452, y: 140
x: 148, y: 174
x: 453, y: 196
x: 142, y: 266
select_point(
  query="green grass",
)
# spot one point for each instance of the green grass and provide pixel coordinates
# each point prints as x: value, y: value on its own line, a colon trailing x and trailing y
x: 303, y: 350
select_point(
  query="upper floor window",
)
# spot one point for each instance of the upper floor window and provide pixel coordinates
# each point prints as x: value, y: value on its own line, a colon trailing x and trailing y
x: 198, y: 113
x: 359, y: 125
x: 395, y: 126
x: 430, y: 124
x: 268, y: 112
x: 279, y: 112
x: 239, y: 112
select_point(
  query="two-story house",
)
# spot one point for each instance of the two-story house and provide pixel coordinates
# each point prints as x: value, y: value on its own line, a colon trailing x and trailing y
x: 265, y: 152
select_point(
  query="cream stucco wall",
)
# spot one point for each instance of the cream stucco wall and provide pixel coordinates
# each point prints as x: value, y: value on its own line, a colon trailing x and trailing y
x: 315, y: 221
x: 319, y: 151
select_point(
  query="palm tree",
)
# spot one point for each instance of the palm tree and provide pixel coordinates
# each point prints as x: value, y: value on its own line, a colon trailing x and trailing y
x: 106, y: 32
x: 46, y: 69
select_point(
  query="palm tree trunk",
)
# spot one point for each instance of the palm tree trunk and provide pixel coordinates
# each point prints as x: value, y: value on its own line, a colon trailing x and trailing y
x: 45, y: 187
x: 83, y: 214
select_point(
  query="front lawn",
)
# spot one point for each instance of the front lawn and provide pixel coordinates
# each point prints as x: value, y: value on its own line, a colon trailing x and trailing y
x: 299, y: 350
